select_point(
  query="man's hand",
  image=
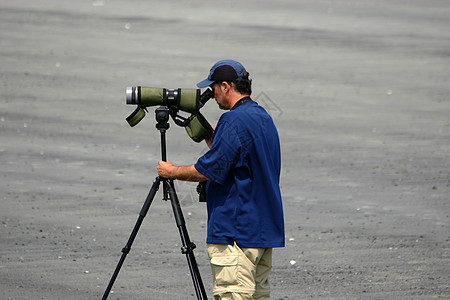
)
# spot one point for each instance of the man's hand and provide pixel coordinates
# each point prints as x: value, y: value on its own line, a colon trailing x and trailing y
x: 166, y: 169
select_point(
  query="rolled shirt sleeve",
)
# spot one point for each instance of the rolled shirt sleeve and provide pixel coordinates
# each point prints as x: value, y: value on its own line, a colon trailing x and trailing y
x: 219, y: 160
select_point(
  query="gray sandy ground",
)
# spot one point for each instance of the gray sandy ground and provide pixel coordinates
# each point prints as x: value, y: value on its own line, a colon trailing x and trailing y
x: 358, y: 89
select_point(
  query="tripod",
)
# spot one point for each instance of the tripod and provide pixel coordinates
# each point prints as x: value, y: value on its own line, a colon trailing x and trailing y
x: 162, y: 118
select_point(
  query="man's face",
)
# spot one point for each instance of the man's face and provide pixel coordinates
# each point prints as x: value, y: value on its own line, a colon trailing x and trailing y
x: 219, y: 95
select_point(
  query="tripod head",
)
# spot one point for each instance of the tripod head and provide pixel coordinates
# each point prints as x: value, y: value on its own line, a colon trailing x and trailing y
x: 162, y: 118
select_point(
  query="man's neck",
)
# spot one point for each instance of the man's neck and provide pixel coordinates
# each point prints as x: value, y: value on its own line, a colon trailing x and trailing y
x: 236, y: 98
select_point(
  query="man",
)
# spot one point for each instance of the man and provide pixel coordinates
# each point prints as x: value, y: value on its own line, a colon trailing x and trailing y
x: 242, y: 170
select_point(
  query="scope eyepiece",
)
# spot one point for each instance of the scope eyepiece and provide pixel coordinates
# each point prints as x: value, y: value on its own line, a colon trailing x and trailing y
x: 208, y: 94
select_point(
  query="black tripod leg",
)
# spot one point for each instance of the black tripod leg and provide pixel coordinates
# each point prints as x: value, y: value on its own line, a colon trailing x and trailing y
x: 127, y: 248
x: 188, y: 246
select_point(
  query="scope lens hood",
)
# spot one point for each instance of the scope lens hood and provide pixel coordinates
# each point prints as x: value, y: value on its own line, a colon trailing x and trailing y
x: 137, y: 115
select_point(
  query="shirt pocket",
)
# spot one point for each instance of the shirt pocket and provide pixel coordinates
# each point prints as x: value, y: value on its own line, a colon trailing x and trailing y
x: 226, y: 269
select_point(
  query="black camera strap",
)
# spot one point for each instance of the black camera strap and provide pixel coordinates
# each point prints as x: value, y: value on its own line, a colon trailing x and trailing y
x: 242, y: 101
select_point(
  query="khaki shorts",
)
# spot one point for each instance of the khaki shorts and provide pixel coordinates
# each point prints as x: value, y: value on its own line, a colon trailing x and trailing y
x: 240, y: 273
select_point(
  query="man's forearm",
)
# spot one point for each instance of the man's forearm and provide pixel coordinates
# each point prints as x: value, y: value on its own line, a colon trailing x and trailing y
x: 188, y: 173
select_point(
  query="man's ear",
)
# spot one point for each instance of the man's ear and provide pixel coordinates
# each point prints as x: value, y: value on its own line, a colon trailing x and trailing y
x: 227, y: 87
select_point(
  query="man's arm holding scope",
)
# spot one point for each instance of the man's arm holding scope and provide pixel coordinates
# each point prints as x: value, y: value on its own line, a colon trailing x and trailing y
x: 187, y: 173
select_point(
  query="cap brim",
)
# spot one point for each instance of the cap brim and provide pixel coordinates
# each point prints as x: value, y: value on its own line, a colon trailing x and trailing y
x: 205, y: 83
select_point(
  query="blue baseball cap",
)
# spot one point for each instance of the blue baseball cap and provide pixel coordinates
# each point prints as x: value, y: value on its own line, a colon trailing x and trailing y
x: 223, y: 70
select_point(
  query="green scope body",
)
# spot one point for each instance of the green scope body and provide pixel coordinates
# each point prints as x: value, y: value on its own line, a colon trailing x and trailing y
x: 187, y: 100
